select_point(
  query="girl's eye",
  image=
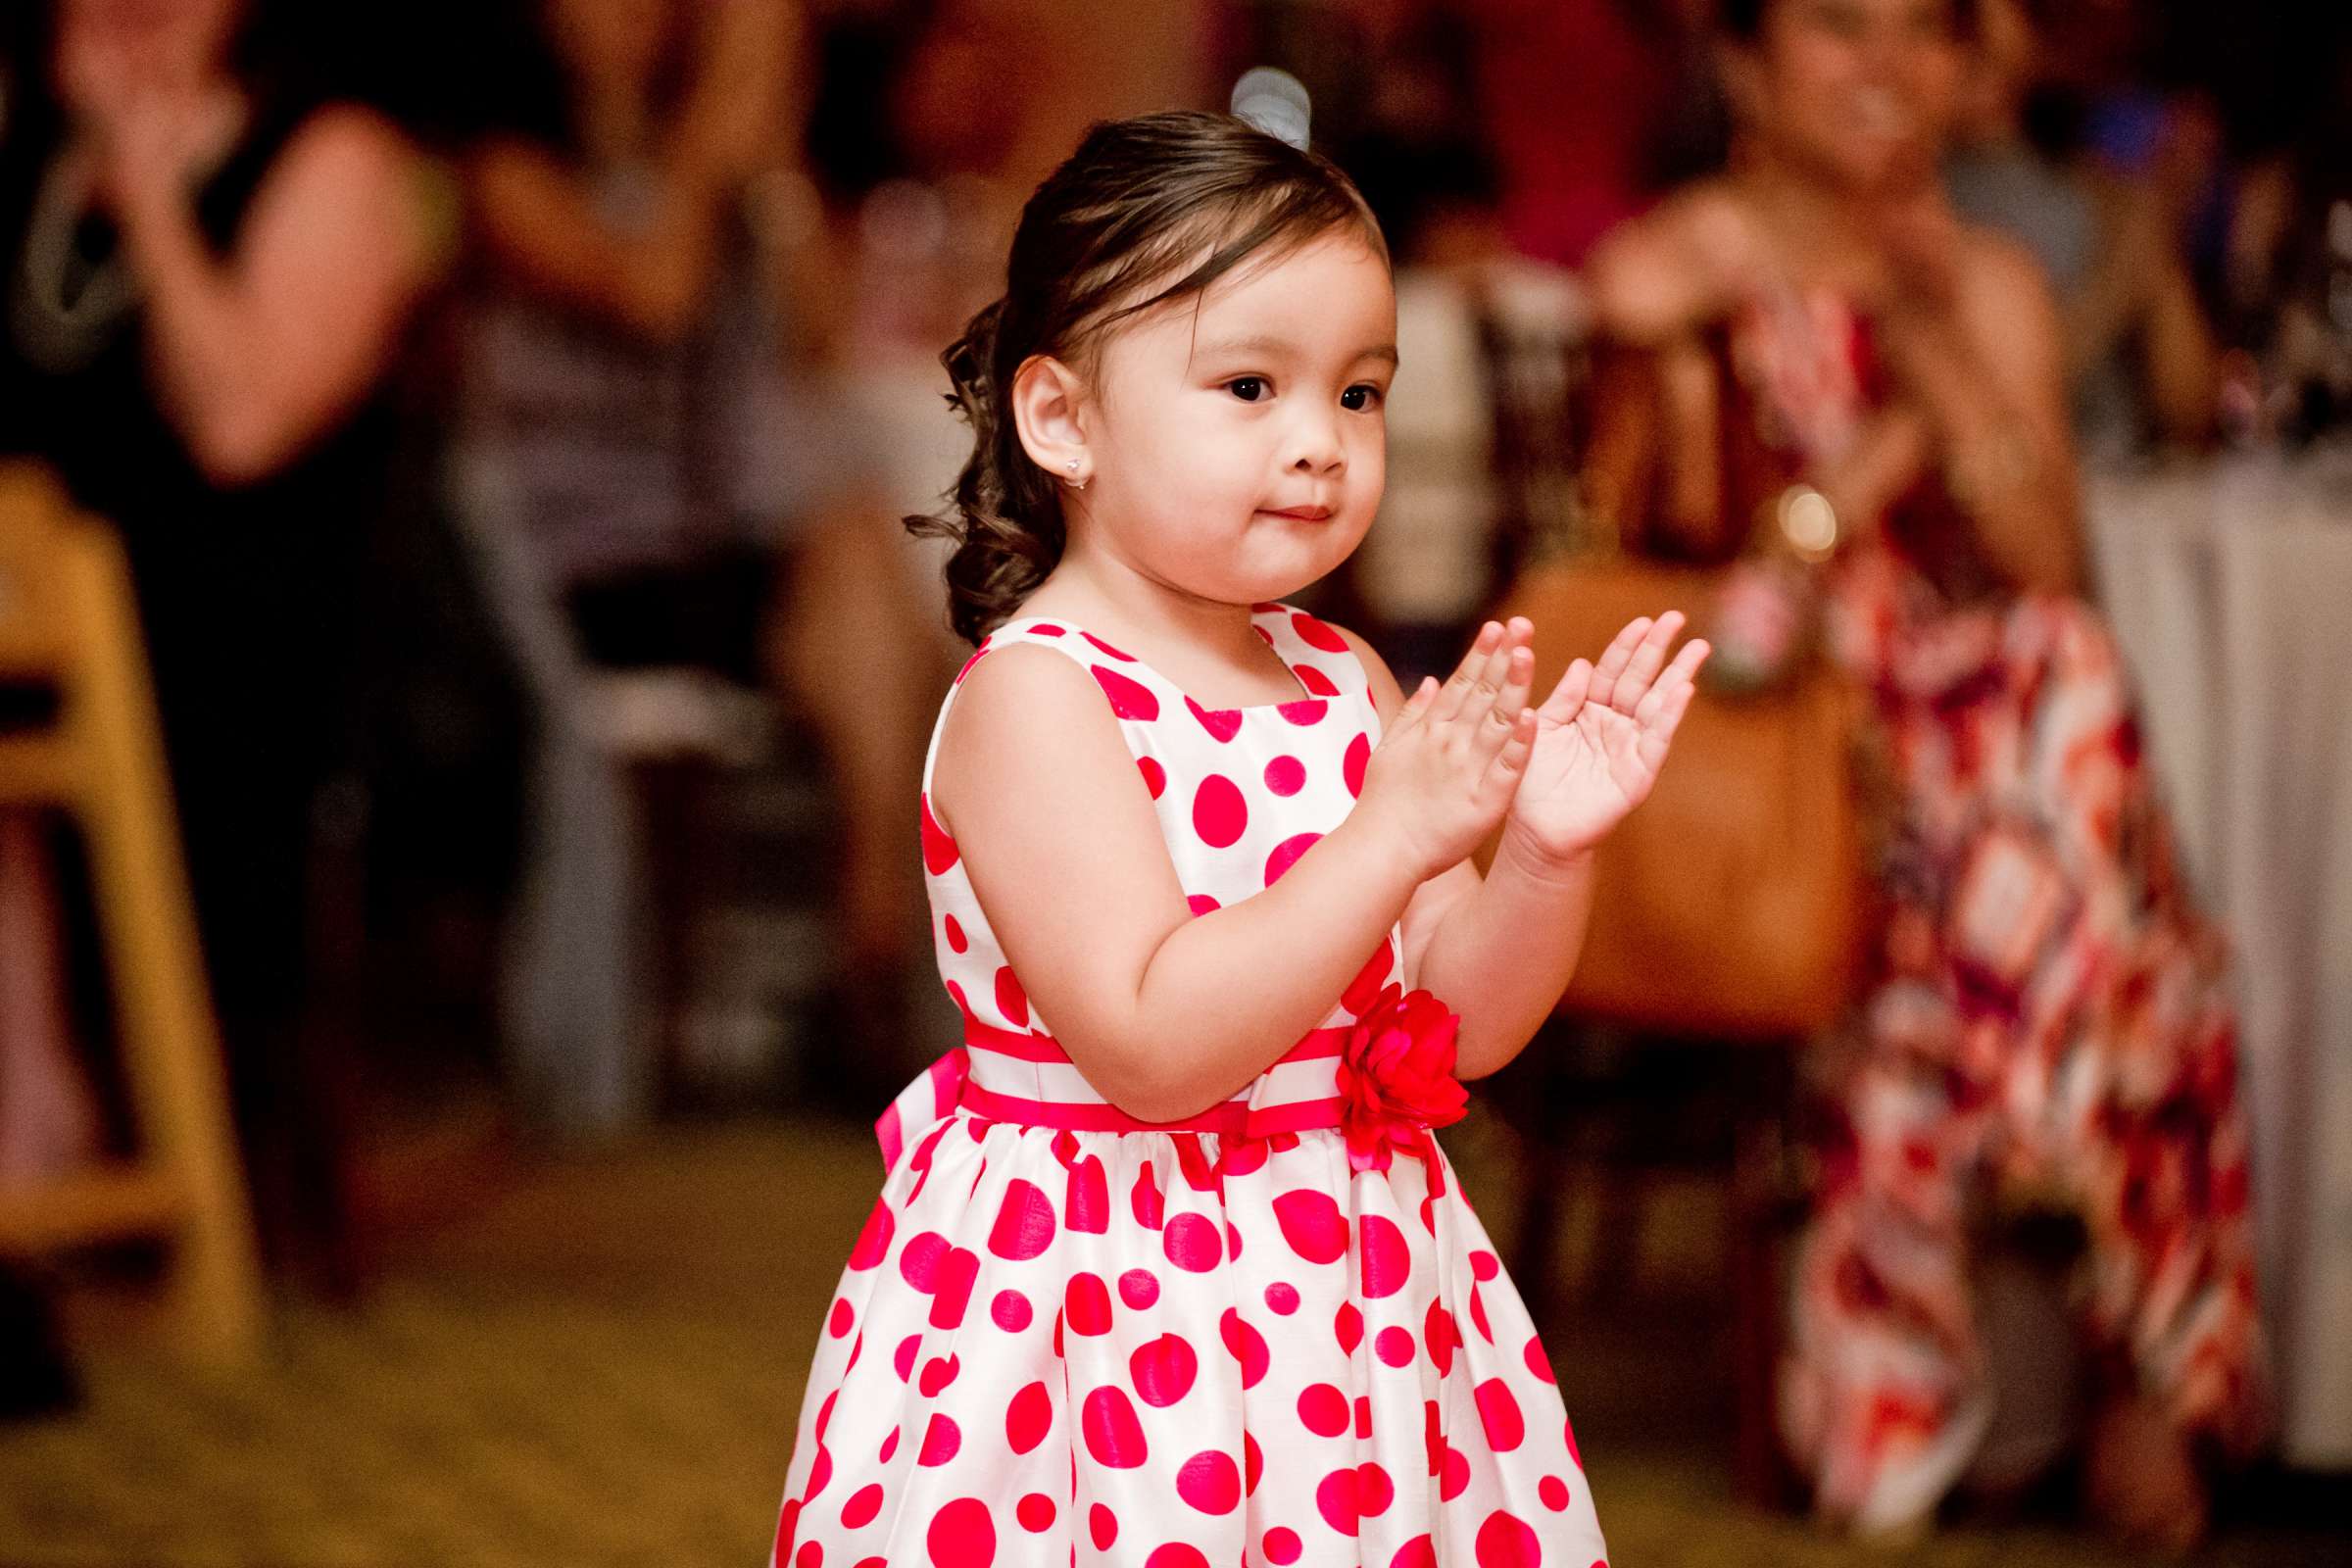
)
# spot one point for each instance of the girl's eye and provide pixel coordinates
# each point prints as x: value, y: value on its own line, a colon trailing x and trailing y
x: 1248, y: 388
x: 1362, y: 396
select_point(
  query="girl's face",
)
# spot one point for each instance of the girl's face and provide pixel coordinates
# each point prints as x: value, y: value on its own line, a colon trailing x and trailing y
x: 1859, y: 90
x: 1238, y: 440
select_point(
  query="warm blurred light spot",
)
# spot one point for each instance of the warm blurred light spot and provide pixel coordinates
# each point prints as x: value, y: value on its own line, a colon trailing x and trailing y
x: 1275, y: 102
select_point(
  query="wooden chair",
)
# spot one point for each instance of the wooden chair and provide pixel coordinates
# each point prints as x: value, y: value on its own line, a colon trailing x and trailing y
x: 67, y: 623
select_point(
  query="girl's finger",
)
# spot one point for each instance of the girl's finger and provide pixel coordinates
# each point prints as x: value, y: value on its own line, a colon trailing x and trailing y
x: 1568, y: 694
x: 1650, y: 656
x: 1457, y: 686
x: 1518, y: 681
x: 1478, y: 699
x: 1509, y: 761
x: 1671, y: 698
x: 1614, y: 658
x: 1415, y: 708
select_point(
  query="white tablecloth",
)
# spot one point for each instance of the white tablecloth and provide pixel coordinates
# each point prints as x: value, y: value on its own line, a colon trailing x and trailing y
x: 2228, y: 589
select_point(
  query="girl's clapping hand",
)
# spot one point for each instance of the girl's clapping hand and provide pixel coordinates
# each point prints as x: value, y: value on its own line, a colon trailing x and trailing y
x: 1600, y: 738
x: 1444, y: 773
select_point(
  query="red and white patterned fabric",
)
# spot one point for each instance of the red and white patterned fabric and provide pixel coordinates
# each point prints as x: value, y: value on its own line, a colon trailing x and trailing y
x: 1272, y: 1333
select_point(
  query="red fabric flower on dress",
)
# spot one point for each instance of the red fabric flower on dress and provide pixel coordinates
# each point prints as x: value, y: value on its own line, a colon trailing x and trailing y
x: 1397, y: 1077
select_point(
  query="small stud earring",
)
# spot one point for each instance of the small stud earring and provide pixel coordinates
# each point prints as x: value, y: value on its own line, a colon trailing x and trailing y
x: 1073, y: 481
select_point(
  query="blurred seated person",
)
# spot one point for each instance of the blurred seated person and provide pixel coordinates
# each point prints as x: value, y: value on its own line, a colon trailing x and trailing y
x: 208, y: 264
x: 2139, y: 358
x: 650, y: 454
x: 622, y: 350
x: 1856, y: 401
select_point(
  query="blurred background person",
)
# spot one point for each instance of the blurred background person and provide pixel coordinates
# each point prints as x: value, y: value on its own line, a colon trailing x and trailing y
x: 2140, y: 360
x: 1821, y: 338
x: 209, y: 262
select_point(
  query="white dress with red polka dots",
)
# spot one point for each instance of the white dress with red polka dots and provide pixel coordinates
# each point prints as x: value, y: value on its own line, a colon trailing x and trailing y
x: 1065, y: 1337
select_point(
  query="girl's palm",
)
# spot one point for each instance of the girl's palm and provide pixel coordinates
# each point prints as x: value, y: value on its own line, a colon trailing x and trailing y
x: 1603, y: 735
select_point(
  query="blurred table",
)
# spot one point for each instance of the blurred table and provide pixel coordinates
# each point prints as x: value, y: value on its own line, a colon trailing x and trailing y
x: 2226, y: 585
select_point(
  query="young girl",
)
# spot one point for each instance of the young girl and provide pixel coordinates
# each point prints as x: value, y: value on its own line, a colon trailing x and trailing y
x: 1179, y: 1278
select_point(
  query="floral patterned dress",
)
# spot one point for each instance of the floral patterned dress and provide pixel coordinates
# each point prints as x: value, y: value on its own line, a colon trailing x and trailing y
x: 2049, y: 1025
x: 1272, y: 1333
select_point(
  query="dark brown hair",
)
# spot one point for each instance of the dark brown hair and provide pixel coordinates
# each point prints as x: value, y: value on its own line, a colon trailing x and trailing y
x: 1138, y: 201
x: 1743, y: 20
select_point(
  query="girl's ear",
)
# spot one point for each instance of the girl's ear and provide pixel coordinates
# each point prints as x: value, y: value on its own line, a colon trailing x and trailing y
x: 1047, y: 410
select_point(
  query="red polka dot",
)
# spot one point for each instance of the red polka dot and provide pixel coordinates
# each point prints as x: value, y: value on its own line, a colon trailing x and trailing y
x: 1012, y: 999
x: 1384, y: 1261
x: 918, y: 1262
x: 1025, y: 1225
x: 1286, y: 776
x: 863, y: 1505
x: 1176, y: 1554
x: 1222, y: 723
x: 1129, y: 699
x: 1394, y: 1345
x: 787, y: 1523
x: 939, y: 850
x: 824, y: 1414
x: 1155, y: 779
x: 1086, y: 1200
x: 1453, y: 1476
x: 1336, y: 1500
x: 1104, y: 1526
x: 1124, y: 659
x: 1485, y: 1264
x: 1352, y: 765
x: 890, y: 1445
x: 1315, y: 634
x: 1010, y: 1311
x: 903, y: 1358
x: 1034, y: 1512
x: 1219, y: 814
x: 1253, y: 1463
x: 1281, y: 1547
x: 1209, y: 1481
x: 1537, y: 1361
x: 1365, y: 990
x: 1249, y: 1347
x: 1193, y: 1244
x: 1139, y: 1287
x: 1314, y: 680
x: 811, y: 1555
x: 1310, y: 711
x: 1323, y: 1410
x: 963, y: 1535
x: 1503, y: 1542
x: 1478, y: 1317
x: 1443, y: 1335
x: 841, y: 1320
x: 1311, y: 1222
x: 1028, y: 1418
x: 941, y: 1438
x: 1285, y: 854
x: 1374, y: 1491
x: 1114, y: 1435
x: 1200, y: 902
x: 957, y: 941
x: 1162, y: 1370
x: 956, y: 1272
x: 1241, y: 1156
x: 937, y: 1373
x: 1500, y: 1414
x: 1554, y: 1493
x: 819, y: 1472
x: 1146, y: 1200
x: 1415, y: 1554
x: 1282, y: 1300
x: 1046, y: 629
x: 1363, y: 1416
x: 1347, y: 1326
x: 874, y: 1241
x: 1086, y: 1304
